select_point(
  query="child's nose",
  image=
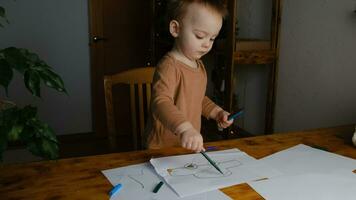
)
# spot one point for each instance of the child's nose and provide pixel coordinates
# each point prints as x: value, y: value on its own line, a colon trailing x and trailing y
x: 206, y: 44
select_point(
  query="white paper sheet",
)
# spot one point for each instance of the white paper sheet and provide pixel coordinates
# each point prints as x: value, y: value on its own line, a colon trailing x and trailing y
x: 192, y: 174
x: 309, y: 186
x: 304, y: 159
x: 308, y: 173
x: 138, y: 182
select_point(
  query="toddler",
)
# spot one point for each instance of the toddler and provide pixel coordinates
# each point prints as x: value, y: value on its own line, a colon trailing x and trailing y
x: 179, y: 84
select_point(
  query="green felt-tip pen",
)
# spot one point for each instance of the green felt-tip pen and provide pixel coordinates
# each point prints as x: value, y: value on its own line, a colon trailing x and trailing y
x: 211, y: 162
x: 158, y: 186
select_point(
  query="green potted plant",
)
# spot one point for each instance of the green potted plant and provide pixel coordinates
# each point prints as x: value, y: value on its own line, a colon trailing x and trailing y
x: 23, y: 124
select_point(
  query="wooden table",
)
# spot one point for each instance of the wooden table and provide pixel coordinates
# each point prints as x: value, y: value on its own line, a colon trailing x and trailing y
x: 81, y: 178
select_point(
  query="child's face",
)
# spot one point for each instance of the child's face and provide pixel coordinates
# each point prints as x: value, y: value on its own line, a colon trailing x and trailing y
x: 197, y: 31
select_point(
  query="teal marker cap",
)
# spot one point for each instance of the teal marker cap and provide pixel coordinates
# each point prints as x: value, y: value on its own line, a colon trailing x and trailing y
x: 234, y: 116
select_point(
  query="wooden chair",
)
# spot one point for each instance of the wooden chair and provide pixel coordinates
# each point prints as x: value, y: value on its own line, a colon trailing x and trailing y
x: 135, y: 78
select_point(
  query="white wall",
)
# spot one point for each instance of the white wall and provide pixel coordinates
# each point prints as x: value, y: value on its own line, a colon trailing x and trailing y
x: 250, y: 81
x: 254, y: 18
x: 317, y: 71
x: 57, y: 30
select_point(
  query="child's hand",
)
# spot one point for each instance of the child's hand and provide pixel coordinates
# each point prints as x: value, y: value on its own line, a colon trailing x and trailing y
x: 192, y: 140
x: 221, y: 119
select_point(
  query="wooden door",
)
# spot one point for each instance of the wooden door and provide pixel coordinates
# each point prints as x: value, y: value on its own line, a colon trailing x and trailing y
x: 121, y: 38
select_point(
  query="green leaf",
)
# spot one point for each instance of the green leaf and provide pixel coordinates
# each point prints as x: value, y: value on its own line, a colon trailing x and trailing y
x: 8, y: 118
x: 33, y: 68
x: 3, y: 15
x: 15, y: 132
x: 27, y: 133
x: 44, y: 148
x: 42, y: 129
x: 49, y: 133
x: 3, y: 131
x: 36, y: 125
x: 26, y: 115
x: 10, y: 123
x: 3, y: 143
x: 50, y: 148
x: 15, y: 59
x: 32, y: 57
x: 33, y: 82
x: 40, y: 138
x: 6, y: 75
x: 28, y: 112
x: 53, y: 80
x: 2, y: 12
x: 34, y: 147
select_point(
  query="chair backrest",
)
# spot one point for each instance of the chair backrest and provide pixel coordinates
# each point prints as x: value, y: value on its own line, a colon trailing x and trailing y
x: 140, y: 78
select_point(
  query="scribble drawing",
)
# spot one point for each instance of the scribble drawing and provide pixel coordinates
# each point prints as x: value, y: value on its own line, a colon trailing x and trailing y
x: 137, y: 181
x: 203, y: 171
x: 133, y: 177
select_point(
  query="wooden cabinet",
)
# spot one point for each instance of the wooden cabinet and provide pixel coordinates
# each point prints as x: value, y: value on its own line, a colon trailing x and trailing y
x: 240, y: 51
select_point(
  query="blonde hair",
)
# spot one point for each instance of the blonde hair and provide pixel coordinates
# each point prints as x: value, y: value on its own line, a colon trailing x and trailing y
x: 177, y: 8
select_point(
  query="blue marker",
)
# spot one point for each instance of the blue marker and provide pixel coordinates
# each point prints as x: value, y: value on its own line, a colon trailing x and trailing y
x: 234, y: 116
x: 211, y: 148
x: 115, y: 190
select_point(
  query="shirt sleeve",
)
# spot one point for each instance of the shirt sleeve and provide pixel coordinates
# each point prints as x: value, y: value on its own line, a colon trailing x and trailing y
x: 165, y: 82
x: 209, y: 107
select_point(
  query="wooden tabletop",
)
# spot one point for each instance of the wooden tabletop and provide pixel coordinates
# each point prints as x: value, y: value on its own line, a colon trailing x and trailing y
x: 81, y: 178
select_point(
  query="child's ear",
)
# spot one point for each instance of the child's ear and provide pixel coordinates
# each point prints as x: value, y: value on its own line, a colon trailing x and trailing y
x: 174, y: 28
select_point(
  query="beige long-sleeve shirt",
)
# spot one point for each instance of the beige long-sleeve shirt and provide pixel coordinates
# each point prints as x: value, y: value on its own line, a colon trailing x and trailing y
x: 178, y: 97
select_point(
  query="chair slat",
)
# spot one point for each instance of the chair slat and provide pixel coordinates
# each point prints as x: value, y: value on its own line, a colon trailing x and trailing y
x: 141, y: 111
x: 134, y: 78
x: 139, y: 75
x: 148, y: 95
x: 110, y: 113
x: 133, y: 114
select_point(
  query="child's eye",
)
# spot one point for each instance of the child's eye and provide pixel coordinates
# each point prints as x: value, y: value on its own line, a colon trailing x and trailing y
x: 212, y: 39
x: 199, y: 37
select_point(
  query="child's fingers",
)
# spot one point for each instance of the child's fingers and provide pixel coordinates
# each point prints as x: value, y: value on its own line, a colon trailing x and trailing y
x: 225, y: 117
x: 230, y: 121
x: 225, y: 124
x: 202, y: 148
x: 199, y: 148
x: 190, y: 145
x: 185, y: 145
x: 192, y: 141
x: 195, y: 146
